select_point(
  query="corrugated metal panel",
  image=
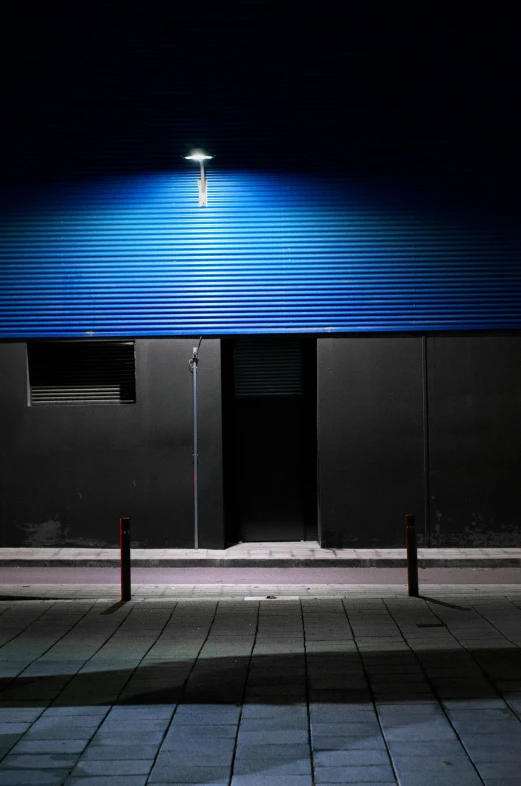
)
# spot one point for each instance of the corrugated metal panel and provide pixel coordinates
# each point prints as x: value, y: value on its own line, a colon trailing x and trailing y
x: 270, y: 366
x: 81, y: 372
x: 137, y: 256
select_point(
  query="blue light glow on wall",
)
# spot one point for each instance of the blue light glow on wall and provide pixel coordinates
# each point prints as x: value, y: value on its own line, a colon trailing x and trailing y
x: 270, y: 254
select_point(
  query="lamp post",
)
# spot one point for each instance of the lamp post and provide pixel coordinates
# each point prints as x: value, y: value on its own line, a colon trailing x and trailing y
x: 192, y: 365
x: 201, y: 157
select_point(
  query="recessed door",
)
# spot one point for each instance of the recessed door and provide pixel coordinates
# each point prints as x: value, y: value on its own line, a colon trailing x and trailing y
x: 269, y: 396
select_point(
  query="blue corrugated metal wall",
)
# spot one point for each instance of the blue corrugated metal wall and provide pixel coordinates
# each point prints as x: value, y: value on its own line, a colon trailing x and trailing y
x: 138, y: 257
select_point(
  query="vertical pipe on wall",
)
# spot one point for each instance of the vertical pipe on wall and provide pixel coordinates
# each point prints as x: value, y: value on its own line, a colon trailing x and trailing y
x: 426, y: 470
x: 193, y: 368
x: 196, y: 459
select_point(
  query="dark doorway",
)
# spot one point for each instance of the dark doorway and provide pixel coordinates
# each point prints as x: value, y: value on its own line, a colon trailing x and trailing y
x: 270, y: 455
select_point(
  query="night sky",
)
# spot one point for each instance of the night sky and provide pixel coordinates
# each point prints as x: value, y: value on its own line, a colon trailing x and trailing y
x: 418, y: 95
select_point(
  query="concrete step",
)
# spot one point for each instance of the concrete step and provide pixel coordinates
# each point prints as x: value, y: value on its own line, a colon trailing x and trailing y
x: 261, y: 555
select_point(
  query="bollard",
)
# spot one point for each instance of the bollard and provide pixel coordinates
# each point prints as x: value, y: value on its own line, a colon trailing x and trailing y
x: 412, y: 555
x: 124, y: 544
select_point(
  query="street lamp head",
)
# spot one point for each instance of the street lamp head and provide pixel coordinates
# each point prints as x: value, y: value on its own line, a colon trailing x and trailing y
x: 198, y: 155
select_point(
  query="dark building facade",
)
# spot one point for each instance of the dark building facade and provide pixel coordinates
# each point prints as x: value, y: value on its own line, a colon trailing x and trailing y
x: 360, y: 360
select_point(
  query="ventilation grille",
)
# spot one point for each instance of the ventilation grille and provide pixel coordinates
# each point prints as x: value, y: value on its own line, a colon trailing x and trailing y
x: 81, y: 372
x: 268, y: 366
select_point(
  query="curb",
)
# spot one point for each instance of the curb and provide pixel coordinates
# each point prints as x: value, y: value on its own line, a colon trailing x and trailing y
x: 384, y: 562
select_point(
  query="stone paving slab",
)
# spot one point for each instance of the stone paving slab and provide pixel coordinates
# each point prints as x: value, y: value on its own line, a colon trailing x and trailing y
x: 264, y: 555
x: 273, y: 692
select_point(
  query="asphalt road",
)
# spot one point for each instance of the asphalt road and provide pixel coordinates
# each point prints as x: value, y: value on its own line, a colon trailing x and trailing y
x: 42, y: 575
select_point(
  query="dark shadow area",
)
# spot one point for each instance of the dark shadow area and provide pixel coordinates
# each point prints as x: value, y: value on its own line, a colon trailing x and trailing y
x: 115, y: 607
x: 330, y: 677
x: 443, y: 603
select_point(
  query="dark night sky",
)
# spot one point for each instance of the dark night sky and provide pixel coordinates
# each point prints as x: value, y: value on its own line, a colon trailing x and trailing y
x: 427, y: 96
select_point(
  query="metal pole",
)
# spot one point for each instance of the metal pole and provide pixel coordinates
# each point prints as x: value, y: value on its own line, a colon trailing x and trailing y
x: 412, y: 555
x: 196, y: 455
x: 426, y: 470
x: 124, y: 545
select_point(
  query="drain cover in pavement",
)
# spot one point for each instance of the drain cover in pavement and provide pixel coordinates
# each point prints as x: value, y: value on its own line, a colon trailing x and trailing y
x: 271, y: 597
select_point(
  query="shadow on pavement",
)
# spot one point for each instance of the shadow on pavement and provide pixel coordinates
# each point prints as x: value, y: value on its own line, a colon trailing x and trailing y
x: 283, y: 678
x: 444, y: 603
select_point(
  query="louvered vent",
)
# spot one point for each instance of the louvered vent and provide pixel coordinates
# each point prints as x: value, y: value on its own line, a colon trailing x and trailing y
x: 81, y: 372
x: 268, y: 366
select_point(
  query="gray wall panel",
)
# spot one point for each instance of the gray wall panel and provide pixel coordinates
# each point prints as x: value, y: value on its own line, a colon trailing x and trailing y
x: 69, y: 472
x: 475, y: 439
x: 370, y: 424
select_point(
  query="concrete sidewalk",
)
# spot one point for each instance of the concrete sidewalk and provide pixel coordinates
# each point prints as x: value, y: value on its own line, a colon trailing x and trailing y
x: 291, y: 692
x: 262, y: 555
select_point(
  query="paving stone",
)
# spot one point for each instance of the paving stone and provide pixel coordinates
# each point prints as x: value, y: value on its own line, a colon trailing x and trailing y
x: 375, y: 742
x: 87, y: 710
x: 418, y: 748
x: 196, y: 758
x: 409, y: 763
x: 188, y: 743
x: 133, y: 727
x: 495, y: 753
x: 33, y: 777
x: 8, y: 741
x: 484, y: 716
x: 26, y: 746
x: 272, y: 767
x: 107, y: 780
x: 271, y: 780
x: 39, y: 761
x: 423, y: 731
x: 164, y: 772
x: 350, y: 758
x: 113, y: 766
x: 58, y: 723
x: 499, y: 769
x: 437, y: 779
x: 63, y: 733
x: 341, y: 715
x: 142, y: 710
x: 13, y: 728
x: 274, y: 724
x: 273, y: 711
x: 502, y: 781
x: 122, y: 738
x: 473, y: 704
x: 199, y: 715
x: 349, y: 729
x: 356, y: 774
x: 120, y: 752
x: 476, y: 742
x: 19, y: 715
x: 271, y: 752
x: 202, y: 732
x: 290, y: 737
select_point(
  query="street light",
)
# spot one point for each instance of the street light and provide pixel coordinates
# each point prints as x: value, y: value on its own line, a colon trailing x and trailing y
x: 201, y: 157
